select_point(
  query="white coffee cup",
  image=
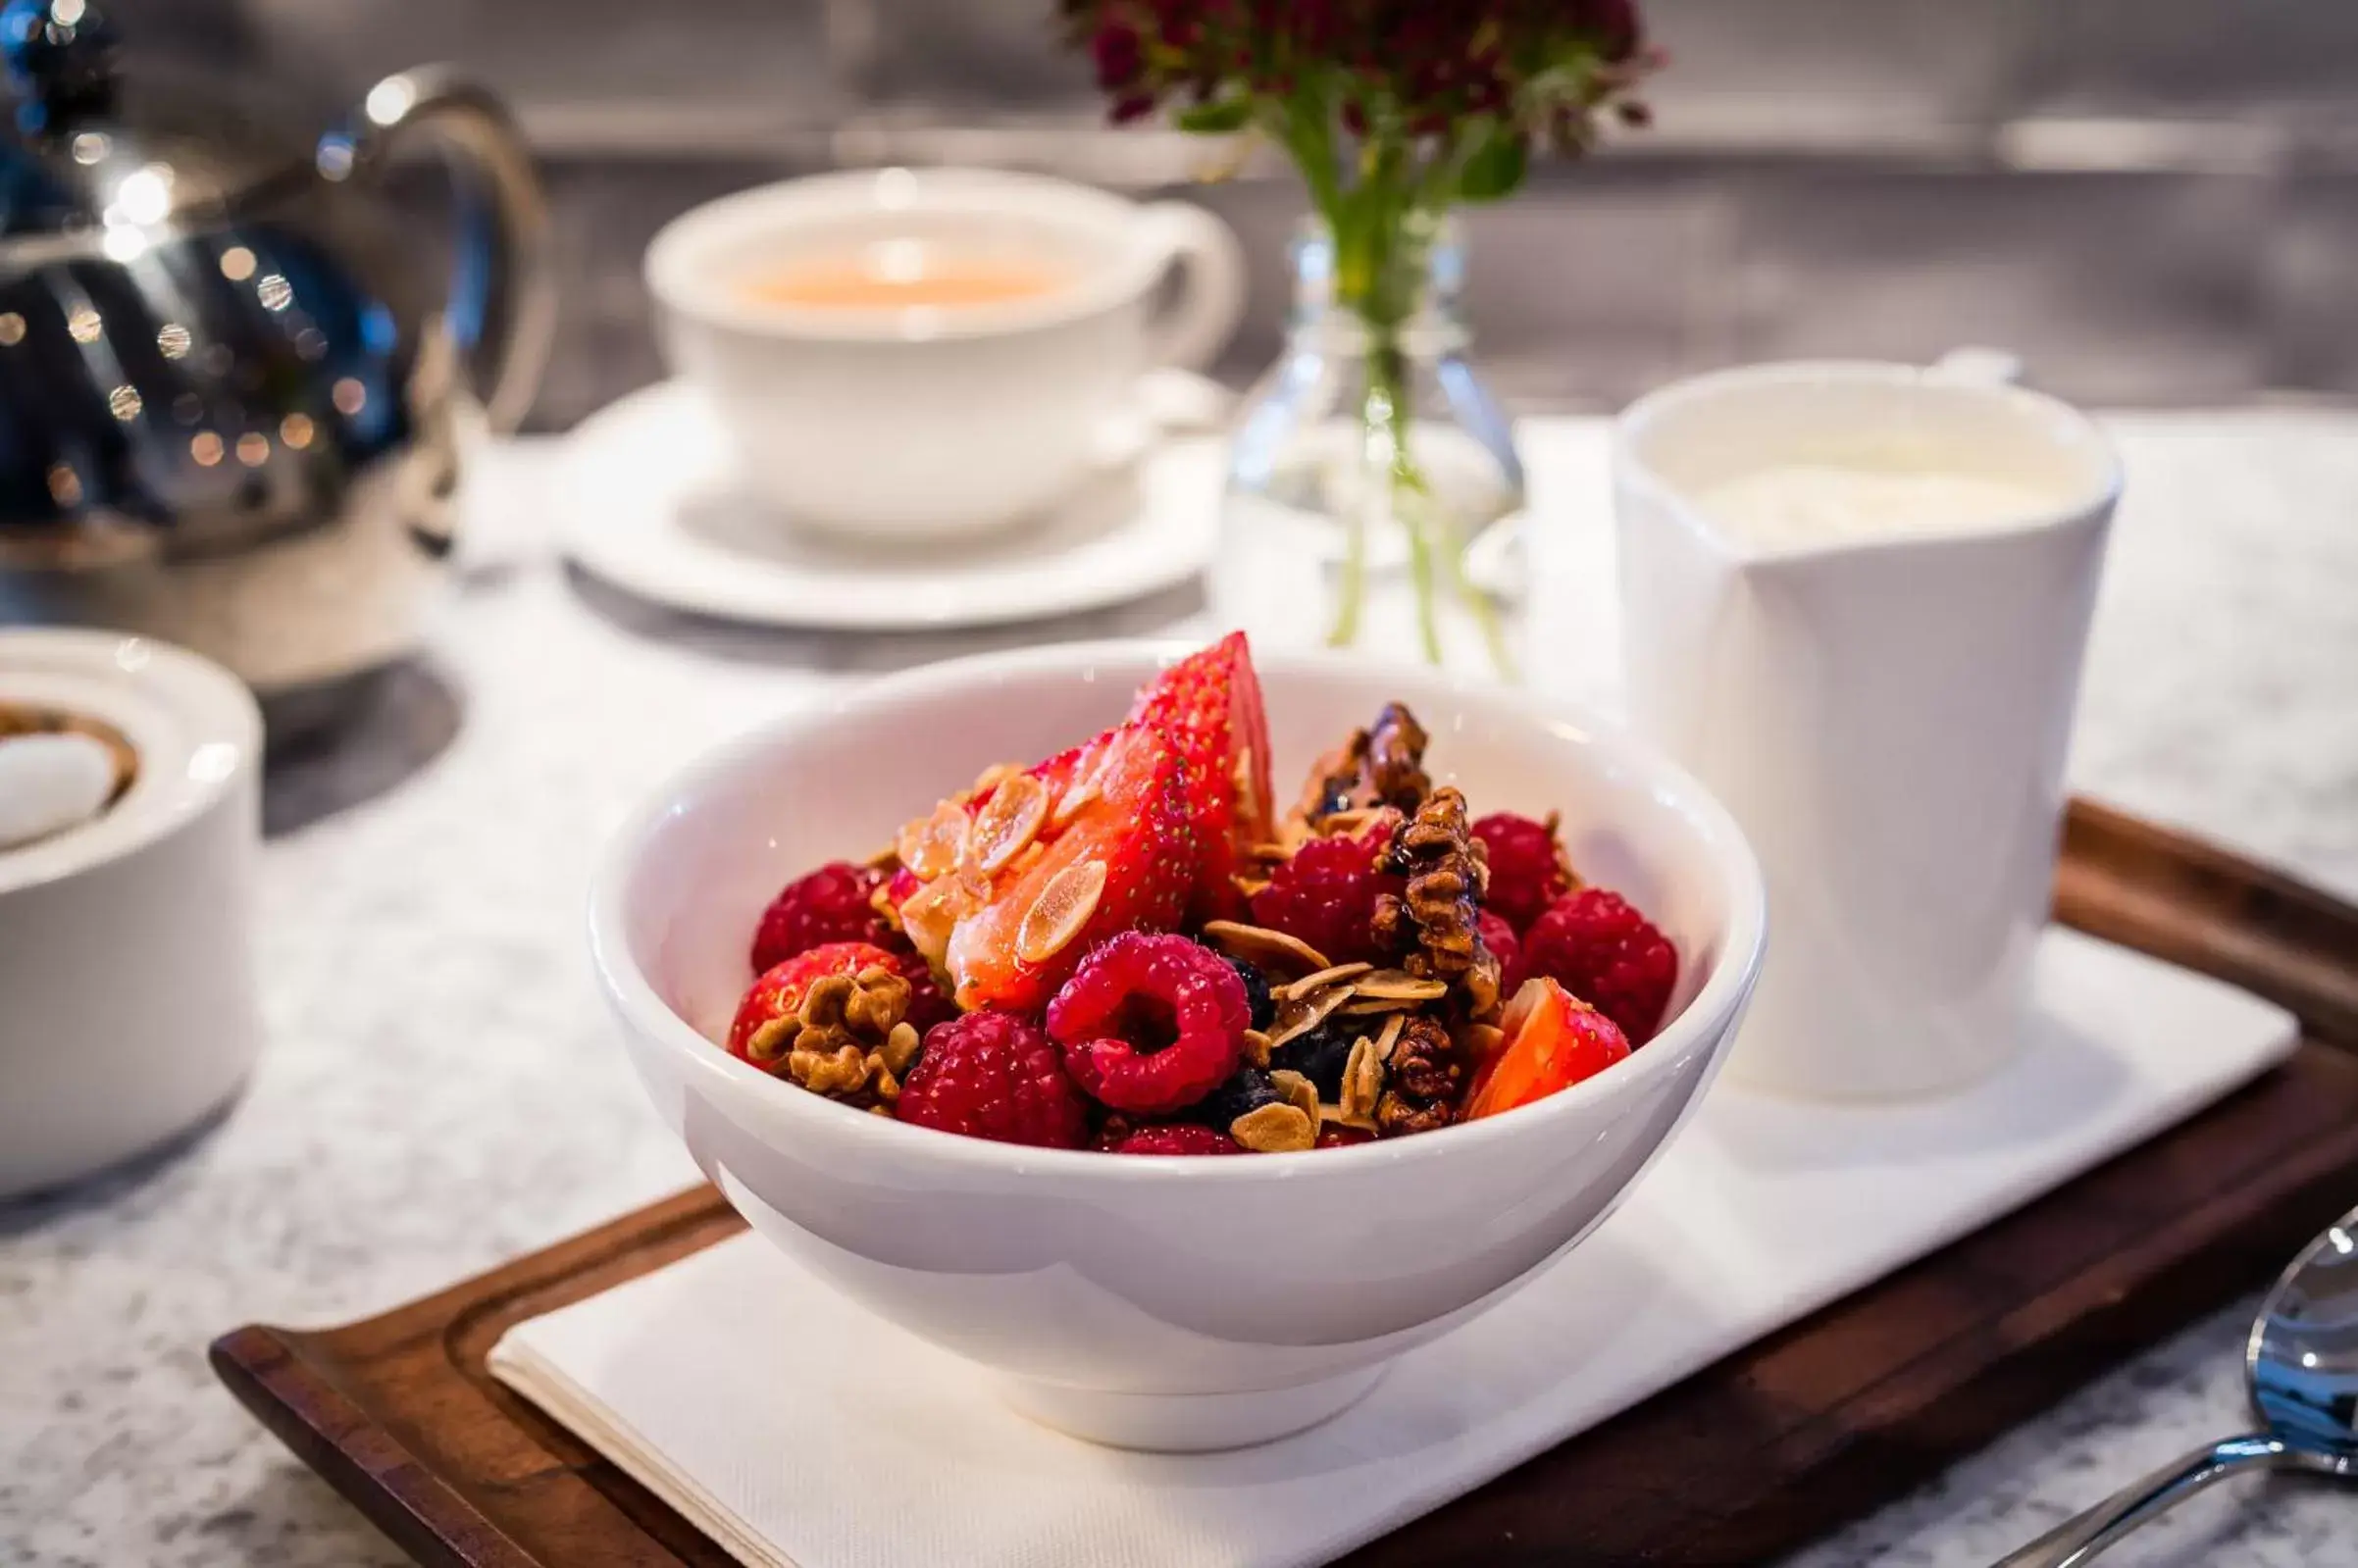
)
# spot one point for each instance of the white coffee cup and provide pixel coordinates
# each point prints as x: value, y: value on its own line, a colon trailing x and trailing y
x: 926, y: 422
x: 1883, y: 700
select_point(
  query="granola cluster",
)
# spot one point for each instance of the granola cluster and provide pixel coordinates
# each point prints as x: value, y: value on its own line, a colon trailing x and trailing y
x: 1434, y: 922
x: 847, y: 1038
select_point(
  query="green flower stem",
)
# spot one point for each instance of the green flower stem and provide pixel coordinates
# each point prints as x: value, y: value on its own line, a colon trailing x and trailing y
x: 1410, y: 497
x: 1485, y: 614
x: 1381, y: 220
x: 1353, y: 590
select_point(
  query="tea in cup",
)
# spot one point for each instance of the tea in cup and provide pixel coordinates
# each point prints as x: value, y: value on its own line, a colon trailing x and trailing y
x: 901, y: 354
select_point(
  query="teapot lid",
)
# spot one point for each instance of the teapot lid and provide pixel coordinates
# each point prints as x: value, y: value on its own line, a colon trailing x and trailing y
x: 90, y: 149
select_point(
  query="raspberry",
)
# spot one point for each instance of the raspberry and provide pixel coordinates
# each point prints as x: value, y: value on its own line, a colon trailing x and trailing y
x: 995, y: 1075
x: 1176, y: 1137
x: 1596, y: 946
x: 1504, y: 945
x: 1326, y: 894
x: 829, y: 906
x: 1259, y: 1003
x: 1150, y: 1024
x: 1528, y: 870
x: 1337, y: 1136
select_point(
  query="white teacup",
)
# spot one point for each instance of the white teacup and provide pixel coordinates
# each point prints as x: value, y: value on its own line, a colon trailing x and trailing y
x: 1856, y: 598
x: 926, y: 420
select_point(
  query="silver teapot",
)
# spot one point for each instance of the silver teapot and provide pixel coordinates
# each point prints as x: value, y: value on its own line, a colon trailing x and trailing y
x: 234, y: 385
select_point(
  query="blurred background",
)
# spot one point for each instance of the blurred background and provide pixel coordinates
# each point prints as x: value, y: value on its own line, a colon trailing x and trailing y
x: 2155, y: 201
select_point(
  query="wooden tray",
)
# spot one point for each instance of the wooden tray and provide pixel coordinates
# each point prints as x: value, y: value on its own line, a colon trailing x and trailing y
x: 1743, y: 1461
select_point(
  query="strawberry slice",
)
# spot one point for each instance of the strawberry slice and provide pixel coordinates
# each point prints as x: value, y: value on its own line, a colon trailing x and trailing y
x: 1209, y: 704
x: 1115, y: 852
x: 1554, y: 1040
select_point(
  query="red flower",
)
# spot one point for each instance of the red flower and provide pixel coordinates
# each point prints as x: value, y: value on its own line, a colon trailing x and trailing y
x: 1545, y: 70
x: 1120, y: 59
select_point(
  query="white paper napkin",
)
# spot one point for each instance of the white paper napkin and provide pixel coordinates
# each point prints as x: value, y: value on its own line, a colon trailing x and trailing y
x: 721, y: 1382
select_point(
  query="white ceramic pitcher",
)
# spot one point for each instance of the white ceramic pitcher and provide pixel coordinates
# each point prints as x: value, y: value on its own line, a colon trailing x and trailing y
x: 1886, y: 716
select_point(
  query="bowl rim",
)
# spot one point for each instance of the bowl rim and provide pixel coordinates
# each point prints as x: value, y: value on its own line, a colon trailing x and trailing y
x: 1711, y: 1012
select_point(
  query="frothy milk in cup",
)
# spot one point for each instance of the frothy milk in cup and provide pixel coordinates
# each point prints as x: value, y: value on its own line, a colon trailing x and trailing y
x: 1855, y: 599
x: 1802, y: 505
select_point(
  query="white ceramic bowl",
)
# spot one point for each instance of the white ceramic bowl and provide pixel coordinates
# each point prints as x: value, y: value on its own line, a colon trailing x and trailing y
x: 128, y: 1008
x: 1160, y: 1303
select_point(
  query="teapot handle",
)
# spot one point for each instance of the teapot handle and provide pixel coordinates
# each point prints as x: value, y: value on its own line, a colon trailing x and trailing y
x: 502, y: 306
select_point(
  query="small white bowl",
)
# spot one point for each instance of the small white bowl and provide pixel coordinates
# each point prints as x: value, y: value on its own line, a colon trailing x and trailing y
x: 127, y: 1006
x: 1155, y: 1303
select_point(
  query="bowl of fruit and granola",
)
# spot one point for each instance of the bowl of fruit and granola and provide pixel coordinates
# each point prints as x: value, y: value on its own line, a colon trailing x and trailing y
x: 1012, y: 997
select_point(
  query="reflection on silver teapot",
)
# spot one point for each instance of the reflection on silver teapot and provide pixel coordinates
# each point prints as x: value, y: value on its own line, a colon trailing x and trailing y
x: 234, y: 388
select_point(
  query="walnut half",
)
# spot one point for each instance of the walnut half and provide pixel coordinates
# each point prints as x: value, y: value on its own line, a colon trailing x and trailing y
x: 849, y: 1041
x: 1423, y: 1079
x: 1434, y: 922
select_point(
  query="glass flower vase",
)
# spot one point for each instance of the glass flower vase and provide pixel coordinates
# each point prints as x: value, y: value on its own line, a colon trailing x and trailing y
x: 1365, y: 465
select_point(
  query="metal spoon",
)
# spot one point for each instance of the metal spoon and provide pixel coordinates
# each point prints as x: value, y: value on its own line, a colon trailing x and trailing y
x: 2301, y: 1367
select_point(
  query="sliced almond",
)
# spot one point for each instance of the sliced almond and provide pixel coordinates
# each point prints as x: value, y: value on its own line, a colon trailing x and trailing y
x: 928, y: 918
x: 1256, y: 1047
x: 1390, y: 1038
x: 1362, y: 1079
x: 1341, y: 1117
x: 1062, y: 908
x: 1299, y: 1092
x: 1071, y: 804
x: 1301, y: 1015
x: 1398, y: 985
x: 1377, y: 1007
x: 930, y: 845
x: 900, y: 1049
x: 1523, y: 1003
x: 1007, y: 822
x: 1079, y: 793
x: 970, y: 888
x: 1277, y: 1128
x: 1259, y: 944
x: 1332, y: 975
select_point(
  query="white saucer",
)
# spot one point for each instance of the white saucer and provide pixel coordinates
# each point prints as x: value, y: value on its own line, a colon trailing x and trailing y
x: 649, y: 504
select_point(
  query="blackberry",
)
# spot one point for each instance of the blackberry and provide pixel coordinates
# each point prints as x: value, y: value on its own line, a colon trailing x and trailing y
x: 1318, y: 1055
x: 1247, y: 1090
x: 1258, y: 1001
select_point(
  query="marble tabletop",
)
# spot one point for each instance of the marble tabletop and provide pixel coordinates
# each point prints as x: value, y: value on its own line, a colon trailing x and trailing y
x: 441, y: 1093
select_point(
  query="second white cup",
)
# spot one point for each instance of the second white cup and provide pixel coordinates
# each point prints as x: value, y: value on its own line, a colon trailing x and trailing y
x: 1876, y: 682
